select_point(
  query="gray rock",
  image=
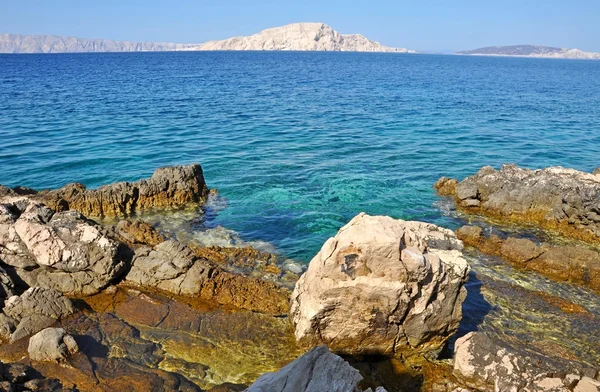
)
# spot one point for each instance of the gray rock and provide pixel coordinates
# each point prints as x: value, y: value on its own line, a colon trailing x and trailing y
x: 36, y: 309
x: 381, y: 286
x: 596, y: 171
x: 51, y: 345
x: 466, y: 190
x: 64, y: 250
x: 173, y: 267
x: 566, y: 200
x: 488, y: 364
x: 316, y: 371
x: 471, y: 203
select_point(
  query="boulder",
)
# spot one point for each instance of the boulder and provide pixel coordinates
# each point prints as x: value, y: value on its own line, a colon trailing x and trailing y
x: 63, y: 250
x: 36, y: 309
x: 316, y: 371
x: 488, y: 364
x: 382, y: 286
x: 175, y: 268
x: 51, y: 345
x: 172, y: 186
x: 564, y: 200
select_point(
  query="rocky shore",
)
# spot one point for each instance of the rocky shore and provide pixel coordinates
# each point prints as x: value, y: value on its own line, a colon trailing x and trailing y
x: 115, y: 304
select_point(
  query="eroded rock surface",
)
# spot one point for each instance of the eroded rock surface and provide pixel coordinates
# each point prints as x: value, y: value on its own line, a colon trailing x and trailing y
x: 35, y: 309
x: 555, y: 198
x: 316, y: 371
x: 172, y: 186
x: 51, y: 345
x: 488, y: 364
x: 174, y: 267
x: 381, y: 286
x: 64, y: 250
x: 19, y: 377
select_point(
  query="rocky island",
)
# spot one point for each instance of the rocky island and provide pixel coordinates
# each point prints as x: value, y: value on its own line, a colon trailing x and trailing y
x: 294, y: 37
x: 533, y: 51
x: 96, y: 299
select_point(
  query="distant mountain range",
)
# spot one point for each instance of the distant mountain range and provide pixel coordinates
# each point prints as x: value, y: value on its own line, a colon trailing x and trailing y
x: 533, y: 51
x: 297, y: 36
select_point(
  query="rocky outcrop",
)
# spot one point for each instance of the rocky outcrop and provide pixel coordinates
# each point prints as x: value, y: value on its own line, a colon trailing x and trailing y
x: 572, y: 263
x: 301, y: 37
x: 382, y: 286
x: 168, y: 187
x: 51, y: 345
x: 316, y: 371
x: 34, y: 310
x: 64, y: 250
x: 556, y: 198
x: 487, y: 364
x: 173, y: 267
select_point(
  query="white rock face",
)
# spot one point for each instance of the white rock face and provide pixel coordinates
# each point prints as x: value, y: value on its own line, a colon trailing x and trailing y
x: 297, y: 36
x: 381, y: 286
x: 301, y: 37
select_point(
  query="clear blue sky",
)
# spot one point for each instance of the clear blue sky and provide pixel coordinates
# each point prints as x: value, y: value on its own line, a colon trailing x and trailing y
x: 432, y: 25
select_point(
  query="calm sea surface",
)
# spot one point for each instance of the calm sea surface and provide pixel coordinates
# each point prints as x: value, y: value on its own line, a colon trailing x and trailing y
x: 296, y: 143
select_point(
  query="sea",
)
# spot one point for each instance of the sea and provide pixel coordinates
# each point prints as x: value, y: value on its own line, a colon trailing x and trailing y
x: 296, y: 143
x: 299, y: 143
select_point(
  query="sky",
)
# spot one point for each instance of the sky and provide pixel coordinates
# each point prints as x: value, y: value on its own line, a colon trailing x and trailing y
x: 425, y: 25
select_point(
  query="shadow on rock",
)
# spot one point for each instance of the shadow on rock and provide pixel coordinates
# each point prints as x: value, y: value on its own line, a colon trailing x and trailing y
x: 474, y: 309
x: 390, y: 373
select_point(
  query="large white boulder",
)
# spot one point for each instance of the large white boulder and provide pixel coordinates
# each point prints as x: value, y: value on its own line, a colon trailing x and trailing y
x: 382, y: 286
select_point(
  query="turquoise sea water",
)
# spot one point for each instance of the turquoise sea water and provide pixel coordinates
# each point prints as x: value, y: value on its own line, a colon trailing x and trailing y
x: 297, y: 143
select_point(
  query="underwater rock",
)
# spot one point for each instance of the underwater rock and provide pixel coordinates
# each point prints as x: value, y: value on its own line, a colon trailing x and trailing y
x: 316, y: 371
x: 488, y: 364
x: 35, y: 309
x: 64, y: 250
x: 381, y: 286
x: 564, y: 200
x: 137, y: 231
x: 573, y: 263
x: 174, y: 267
x: 51, y: 345
x: 172, y: 186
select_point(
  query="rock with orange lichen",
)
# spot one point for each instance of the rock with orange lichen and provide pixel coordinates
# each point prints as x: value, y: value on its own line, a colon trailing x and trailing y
x: 136, y: 232
x: 564, y: 200
x: 573, y: 263
x: 168, y: 187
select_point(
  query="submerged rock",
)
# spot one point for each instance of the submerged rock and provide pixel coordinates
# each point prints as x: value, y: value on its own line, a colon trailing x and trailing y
x: 174, y: 267
x: 564, y: 200
x: 36, y: 309
x: 381, y: 286
x: 51, y: 345
x: 138, y: 232
x: 64, y: 250
x: 172, y: 186
x: 488, y: 364
x: 316, y: 371
x: 573, y: 263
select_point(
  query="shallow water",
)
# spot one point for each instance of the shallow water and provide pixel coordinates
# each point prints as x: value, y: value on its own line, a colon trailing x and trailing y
x: 297, y: 143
